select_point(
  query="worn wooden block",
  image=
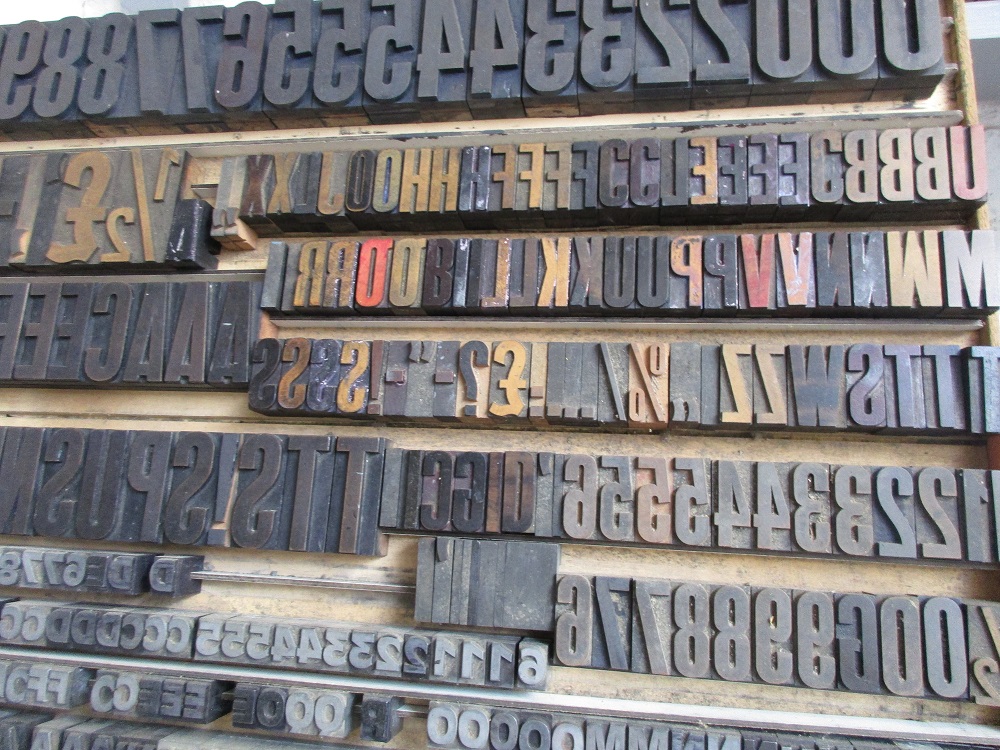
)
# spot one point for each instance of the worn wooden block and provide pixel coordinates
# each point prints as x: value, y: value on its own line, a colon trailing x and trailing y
x: 607, y: 50
x: 391, y: 56
x: 816, y: 386
x: 652, y: 627
x: 736, y: 390
x: 495, y: 64
x: 938, y: 519
x: 893, y: 517
x: 526, y: 588
x: 662, y: 56
x: 904, y: 389
x: 552, y: 35
x: 721, y: 36
x: 649, y: 394
x: 612, y: 628
x: 735, y: 487
x: 857, y: 643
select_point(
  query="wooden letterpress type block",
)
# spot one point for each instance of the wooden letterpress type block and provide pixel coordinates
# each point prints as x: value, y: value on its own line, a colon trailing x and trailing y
x: 612, y: 383
x: 762, y: 176
x: 855, y: 498
x: 662, y: 56
x: 488, y: 562
x: 721, y: 35
x: 649, y: 393
x: 815, y: 636
x: 979, y: 489
x: 731, y: 618
x: 691, y: 655
x: 289, y: 58
x: 943, y: 388
x: 468, y: 502
x: 584, y: 188
x: 587, y: 274
x: 817, y: 386
x: 793, y: 175
x: 758, y: 273
x: 524, y: 279
x: 509, y: 380
x: 437, y: 487
x: 774, y: 645
x: 983, y: 637
x: 735, y: 484
x: 971, y: 271
x: 574, y: 501
x: 69, y: 331
x: 495, y: 83
x: 981, y: 367
x: 938, y: 514
x: 868, y: 269
x: 968, y: 162
x: 731, y: 158
x: 832, y: 269
x: 711, y: 370
x: 438, y: 275
x: 866, y: 386
x: 98, y: 508
x: 172, y: 574
x: 736, y: 384
x: 460, y: 584
x: 652, y: 627
x: 339, y: 61
x: 473, y: 385
x: 612, y: 624
x: 858, y: 643
x: 260, y: 519
x: 552, y: 35
x: 444, y: 563
x: 518, y: 505
x: 940, y: 668
x: 391, y: 56
x: 812, y: 529
x: 443, y: 61
x: 852, y: 66
x: 241, y: 58
x: 685, y: 383
x: 827, y: 167
x: 619, y: 274
x: 419, y: 404
x: 782, y: 74
x: 20, y: 65
x: 770, y: 385
x: 526, y: 588
x: 607, y: 51
x: 796, y: 287
x: 773, y: 507
x: 693, y: 502
x: 362, y: 483
x: 445, y: 381
x: 324, y: 374
x: 426, y: 578
x: 721, y: 282
x: 904, y: 388
x: 544, y: 486
x: 37, y: 331
x: 894, y: 515
x: 310, y: 504
x: 651, y: 272
x: 912, y: 46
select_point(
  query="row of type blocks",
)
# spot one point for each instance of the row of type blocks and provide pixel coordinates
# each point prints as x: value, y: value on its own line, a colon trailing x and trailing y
x: 874, y: 388
x: 752, y: 274
x: 854, y: 175
x: 401, y: 61
x: 505, y: 662
x: 322, y: 493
